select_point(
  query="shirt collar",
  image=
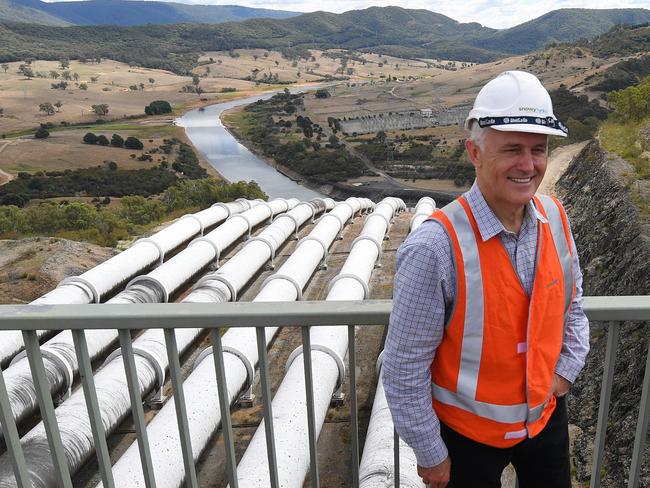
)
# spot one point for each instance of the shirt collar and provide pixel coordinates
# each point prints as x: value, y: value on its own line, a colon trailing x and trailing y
x: 488, y: 223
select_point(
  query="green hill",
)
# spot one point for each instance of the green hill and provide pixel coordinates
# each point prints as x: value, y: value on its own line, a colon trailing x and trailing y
x: 128, y: 12
x: 390, y: 30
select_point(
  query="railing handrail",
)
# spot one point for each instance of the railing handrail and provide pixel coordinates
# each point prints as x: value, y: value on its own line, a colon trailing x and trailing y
x: 260, y: 314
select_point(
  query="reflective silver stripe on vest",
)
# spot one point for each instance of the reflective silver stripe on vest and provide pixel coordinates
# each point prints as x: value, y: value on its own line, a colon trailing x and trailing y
x: 561, y: 245
x: 508, y: 414
x: 470, y: 356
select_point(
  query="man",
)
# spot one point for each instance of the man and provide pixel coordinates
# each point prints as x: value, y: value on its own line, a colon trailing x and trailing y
x: 487, y: 331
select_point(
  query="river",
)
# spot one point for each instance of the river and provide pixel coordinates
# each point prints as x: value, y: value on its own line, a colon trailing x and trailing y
x: 233, y: 160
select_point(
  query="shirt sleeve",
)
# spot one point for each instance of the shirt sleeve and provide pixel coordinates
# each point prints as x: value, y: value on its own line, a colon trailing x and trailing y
x: 575, y: 345
x: 422, y: 281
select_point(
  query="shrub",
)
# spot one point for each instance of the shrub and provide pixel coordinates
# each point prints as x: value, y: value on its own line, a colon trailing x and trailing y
x: 102, y: 140
x: 158, y: 107
x: 133, y: 143
x: 90, y: 138
x: 117, y: 141
x: 41, y: 133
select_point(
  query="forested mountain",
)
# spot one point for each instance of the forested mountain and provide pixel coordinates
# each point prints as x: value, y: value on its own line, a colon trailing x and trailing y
x: 128, y: 12
x: 562, y: 25
x: 390, y: 30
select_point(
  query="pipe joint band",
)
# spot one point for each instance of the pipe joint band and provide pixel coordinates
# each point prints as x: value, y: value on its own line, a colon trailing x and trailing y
x: 317, y: 239
x: 224, y: 206
x: 266, y: 241
x: 154, y: 361
x: 311, y: 207
x: 331, y: 353
x: 283, y: 200
x: 220, y: 278
x: 379, y: 363
x: 267, y: 205
x: 194, y: 217
x: 250, y: 370
x: 84, y: 284
x: 372, y: 239
x: 381, y: 216
x: 349, y: 205
x: 151, y: 282
x: 246, y: 219
x: 62, y: 365
x: 296, y: 225
x: 288, y: 278
x: 364, y: 285
x: 217, y: 251
x: 339, y: 219
x: 161, y: 251
x: 247, y: 202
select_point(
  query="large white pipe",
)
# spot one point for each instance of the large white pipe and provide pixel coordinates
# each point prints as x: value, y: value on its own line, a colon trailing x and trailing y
x: 59, y: 356
x: 200, y: 388
x: 329, y: 348
x: 112, y: 392
x: 96, y: 284
x: 377, y: 468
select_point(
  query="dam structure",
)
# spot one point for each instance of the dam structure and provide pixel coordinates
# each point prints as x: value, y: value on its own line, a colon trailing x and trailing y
x: 238, y: 346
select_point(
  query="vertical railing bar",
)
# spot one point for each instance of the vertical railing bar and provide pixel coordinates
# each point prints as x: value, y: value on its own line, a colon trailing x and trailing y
x: 181, y: 410
x: 136, y: 407
x: 268, y: 410
x: 603, y: 408
x: 46, y: 405
x: 92, y: 405
x: 224, y: 406
x: 396, y: 456
x: 641, y: 427
x: 354, y: 418
x: 12, y: 440
x: 309, y: 392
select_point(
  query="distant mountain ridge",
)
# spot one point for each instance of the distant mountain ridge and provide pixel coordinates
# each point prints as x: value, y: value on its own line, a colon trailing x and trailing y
x: 389, y: 30
x: 129, y: 12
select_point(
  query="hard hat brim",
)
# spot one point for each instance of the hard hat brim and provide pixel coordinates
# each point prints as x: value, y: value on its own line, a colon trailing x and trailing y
x: 533, y: 129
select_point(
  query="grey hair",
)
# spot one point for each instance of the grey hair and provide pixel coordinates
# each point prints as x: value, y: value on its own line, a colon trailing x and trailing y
x: 477, y: 134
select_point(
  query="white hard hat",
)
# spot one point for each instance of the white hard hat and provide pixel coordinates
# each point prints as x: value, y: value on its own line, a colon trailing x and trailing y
x: 516, y: 101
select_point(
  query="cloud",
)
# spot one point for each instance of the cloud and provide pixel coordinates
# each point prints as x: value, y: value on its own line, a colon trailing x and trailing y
x: 491, y: 13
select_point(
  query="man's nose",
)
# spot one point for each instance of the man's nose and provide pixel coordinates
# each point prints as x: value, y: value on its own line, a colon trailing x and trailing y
x: 526, y: 161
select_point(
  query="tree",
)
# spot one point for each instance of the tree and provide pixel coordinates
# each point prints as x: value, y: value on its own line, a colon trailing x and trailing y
x: 141, y: 85
x: 112, y: 165
x: 83, y: 86
x: 151, y: 82
x: 102, y: 140
x: 58, y: 105
x: 54, y: 74
x: 133, y: 143
x: 196, y: 80
x: 75, y: 76
x: 47, y: 108
x: 158, y: 107
x: 41, y: 133
x: 5, y: 67
x: 66, y: 75
x: 65, y: 63
x: 93, y: 79
x: 117, y: 141
x: 90, y: 138
x: 26, y: 71
x: 322, y: 93
x: 100, y: 109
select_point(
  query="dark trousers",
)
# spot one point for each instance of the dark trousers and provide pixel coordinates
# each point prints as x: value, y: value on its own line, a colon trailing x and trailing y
x: 540, y: 462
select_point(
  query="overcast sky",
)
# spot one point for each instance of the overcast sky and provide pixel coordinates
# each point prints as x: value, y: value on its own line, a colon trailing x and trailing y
x: 491, y: 13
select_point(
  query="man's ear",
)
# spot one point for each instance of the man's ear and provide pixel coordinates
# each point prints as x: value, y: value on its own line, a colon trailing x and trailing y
x: 473, y: 150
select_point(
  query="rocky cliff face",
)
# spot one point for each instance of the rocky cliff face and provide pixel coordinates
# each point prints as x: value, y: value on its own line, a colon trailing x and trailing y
x: 614, y: 248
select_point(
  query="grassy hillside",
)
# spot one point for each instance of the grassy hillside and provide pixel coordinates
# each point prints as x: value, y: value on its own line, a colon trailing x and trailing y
x: 128, y: 12
x: 392, y: 30
x: 9, y: 11
x: 562, y: 25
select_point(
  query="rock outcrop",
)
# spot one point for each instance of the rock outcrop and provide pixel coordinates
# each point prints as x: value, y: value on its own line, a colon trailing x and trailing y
x: 614, y: 247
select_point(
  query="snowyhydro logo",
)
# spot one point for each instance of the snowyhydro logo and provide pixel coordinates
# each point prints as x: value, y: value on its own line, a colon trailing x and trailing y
x: 535, y: 110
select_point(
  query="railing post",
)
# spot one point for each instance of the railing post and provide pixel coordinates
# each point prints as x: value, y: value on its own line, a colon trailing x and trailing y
x: 641, y: 427
x: 603, y: 407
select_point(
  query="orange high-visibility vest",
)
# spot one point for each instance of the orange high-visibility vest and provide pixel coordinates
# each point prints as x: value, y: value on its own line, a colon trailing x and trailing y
x: 492, y: 373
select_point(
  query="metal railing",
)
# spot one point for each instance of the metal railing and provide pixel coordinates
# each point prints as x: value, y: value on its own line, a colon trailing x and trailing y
x: 215, y: 317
